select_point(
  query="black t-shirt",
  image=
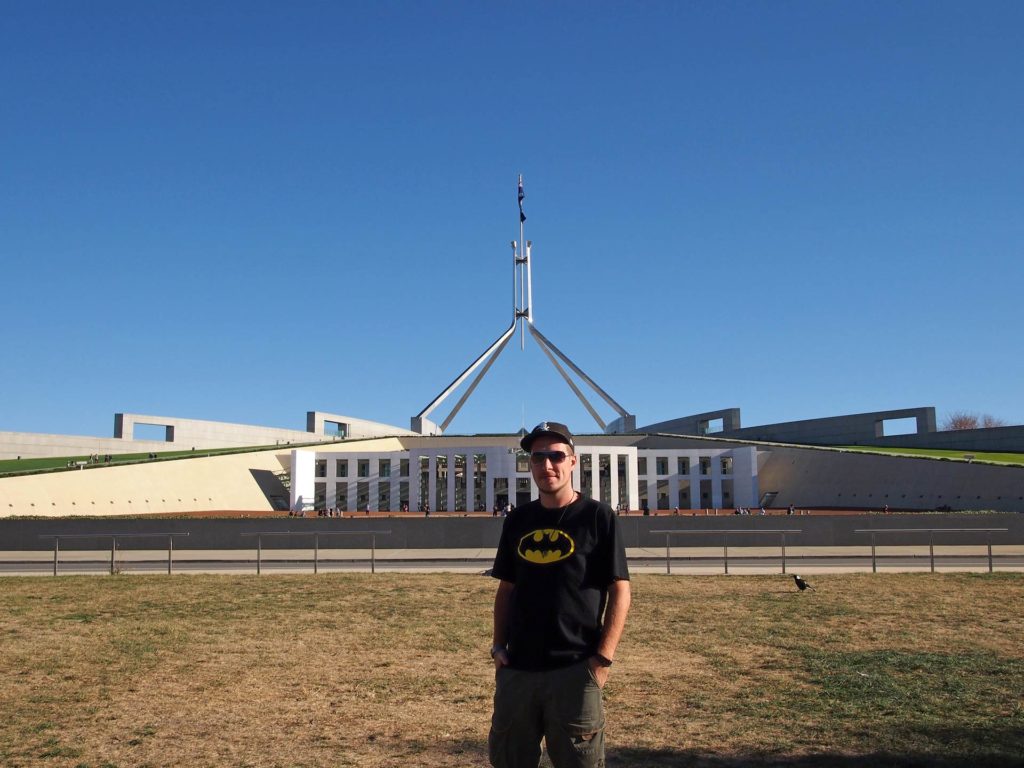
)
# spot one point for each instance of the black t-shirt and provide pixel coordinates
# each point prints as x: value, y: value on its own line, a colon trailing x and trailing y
x: 561, y: 563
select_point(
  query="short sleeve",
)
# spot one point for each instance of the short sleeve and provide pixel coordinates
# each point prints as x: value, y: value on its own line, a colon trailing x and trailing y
x: 504, y: 560
x: 618, y: 569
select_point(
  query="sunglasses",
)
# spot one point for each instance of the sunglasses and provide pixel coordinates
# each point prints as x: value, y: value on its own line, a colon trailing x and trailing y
x: 555, y: 457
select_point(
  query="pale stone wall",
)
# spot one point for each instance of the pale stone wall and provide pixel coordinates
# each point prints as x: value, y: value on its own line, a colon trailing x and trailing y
x: 183, y: 485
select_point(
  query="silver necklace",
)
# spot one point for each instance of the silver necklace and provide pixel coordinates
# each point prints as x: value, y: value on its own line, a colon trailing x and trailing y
x: 575, y: 495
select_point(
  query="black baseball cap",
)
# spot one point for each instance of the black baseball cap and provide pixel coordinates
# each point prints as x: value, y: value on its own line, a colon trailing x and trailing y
x: 548, y: 428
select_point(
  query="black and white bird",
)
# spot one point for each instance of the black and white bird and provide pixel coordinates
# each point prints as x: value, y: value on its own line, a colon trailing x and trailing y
x: 801, y: 584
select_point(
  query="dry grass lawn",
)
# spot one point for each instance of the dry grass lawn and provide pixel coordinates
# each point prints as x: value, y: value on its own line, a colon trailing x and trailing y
x: 392, y: 670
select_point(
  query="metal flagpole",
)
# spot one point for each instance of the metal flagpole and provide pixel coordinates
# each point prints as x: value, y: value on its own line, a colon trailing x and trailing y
x: 529, y: 283
x: 523, y: 261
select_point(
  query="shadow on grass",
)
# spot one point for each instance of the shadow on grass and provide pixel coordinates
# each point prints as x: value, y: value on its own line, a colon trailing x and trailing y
x: 626, y: 757
x: 984, y: 748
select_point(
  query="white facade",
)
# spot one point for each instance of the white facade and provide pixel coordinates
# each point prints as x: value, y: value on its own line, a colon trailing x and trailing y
x: 488, y: 476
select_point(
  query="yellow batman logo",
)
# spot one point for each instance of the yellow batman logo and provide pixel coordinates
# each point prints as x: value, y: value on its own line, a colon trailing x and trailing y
x: 546, y: 546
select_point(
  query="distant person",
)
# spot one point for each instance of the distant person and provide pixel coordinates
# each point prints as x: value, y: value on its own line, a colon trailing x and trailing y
x: 559, y: 611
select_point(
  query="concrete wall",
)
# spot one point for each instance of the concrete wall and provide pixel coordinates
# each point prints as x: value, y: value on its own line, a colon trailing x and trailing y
x: 832, y: 479
x: 187, y: 433
x: 853, y: 429
x: 475, y: 533
x: 36, y: 445
x: 354, y: 428
x: 698, y: 423
x: 202, y: 434
x: 184, y: 434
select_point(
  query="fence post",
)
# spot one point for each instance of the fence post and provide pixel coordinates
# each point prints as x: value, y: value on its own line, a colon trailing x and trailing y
x: 170, y: 550
x: 988, y: 537
x: 259, y: 553
x: 931, y: 550
x: 874, y: 564
x: 668, y: 555
x: 56, y: 548
x: 113, y: 551
x: 373, y: 552
x: 783, y: 552
x: 316, y: 553
x: 726, y: 549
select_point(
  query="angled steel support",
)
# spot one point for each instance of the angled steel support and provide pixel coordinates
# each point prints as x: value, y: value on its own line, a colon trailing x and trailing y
x: 420, y: 423
x: 551, y: 351
x: 479, y: 377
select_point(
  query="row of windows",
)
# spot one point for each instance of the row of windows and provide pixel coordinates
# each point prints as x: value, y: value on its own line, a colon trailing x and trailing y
x: 683, y: 465
x: 384, y: 466
x: 386, y: 500
x: 362, y: 467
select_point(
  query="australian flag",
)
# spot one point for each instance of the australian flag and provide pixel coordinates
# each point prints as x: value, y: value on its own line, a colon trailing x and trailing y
x: 522, y: 216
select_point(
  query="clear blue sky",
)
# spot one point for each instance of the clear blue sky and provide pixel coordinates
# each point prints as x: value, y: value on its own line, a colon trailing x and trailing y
x: 244, y: 211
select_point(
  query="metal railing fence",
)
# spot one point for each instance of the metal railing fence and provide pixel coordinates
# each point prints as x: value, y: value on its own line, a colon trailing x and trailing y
x: 316, y: 544
x: 931, y: 540
x: 113, y: 545
x: 726, y: 533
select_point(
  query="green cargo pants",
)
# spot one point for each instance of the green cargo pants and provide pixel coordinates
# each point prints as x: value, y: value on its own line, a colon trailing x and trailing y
x: 562, y: 706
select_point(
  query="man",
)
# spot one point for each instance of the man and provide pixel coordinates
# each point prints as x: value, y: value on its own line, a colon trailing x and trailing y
x: 559, y: 612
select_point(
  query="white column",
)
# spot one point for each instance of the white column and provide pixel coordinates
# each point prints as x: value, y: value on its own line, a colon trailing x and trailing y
x: 303, y: 480
x: 744, y: 472
x: 633, y: 481
x: 614, y: 485
x: 331, y: 481
x: 695, y: 499
x: 716, y: 480
x: 488, y: 486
